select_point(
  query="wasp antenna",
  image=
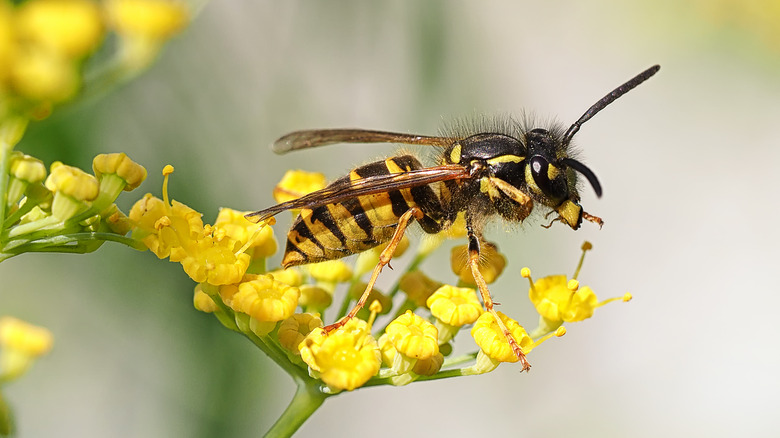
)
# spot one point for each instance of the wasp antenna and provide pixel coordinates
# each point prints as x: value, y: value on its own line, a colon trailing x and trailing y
x: 609, y: 98
x: 587, y: 173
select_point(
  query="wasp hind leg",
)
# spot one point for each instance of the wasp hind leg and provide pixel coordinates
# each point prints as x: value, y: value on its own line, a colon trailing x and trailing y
x: 384, y: 260
x: 487, y: 300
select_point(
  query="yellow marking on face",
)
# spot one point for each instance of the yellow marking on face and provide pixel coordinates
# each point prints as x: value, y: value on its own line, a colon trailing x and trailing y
x: 455, y: 153
x: 505, y: 159
x: 570, y: 212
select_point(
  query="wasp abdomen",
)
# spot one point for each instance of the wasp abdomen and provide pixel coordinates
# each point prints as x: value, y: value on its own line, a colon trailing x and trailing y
x: 332, y: 231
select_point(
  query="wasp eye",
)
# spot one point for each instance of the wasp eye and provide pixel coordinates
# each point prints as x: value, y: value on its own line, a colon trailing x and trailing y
x: 539, y: 167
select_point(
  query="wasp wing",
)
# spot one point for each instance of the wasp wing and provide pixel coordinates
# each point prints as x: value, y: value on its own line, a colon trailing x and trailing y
x: 321, y: 137
x: 348, y: 189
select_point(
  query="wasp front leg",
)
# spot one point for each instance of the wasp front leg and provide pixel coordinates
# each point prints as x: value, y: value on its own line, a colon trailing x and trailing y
x: 384, y: 259
x: 474, y: 246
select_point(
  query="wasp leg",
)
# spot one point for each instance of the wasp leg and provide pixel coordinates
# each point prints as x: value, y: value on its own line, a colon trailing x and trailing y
x: 487, y: 300
x: 384, y: 260
x: 595, y: 219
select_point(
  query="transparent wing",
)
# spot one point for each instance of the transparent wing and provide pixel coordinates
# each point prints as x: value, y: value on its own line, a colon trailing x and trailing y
x: 348, y: 189
x: 321, y: 137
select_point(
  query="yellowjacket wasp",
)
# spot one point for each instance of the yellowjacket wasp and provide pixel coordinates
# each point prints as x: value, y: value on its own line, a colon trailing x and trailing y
x: 503, y: 172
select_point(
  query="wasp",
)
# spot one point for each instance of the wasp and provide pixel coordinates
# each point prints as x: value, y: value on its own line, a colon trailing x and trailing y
x: 503, y: 172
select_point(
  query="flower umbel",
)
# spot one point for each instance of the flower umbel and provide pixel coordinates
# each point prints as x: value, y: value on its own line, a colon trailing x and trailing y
x: 560, y: 300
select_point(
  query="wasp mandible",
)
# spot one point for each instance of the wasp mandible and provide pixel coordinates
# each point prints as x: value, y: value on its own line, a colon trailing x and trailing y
x: 503, y: 170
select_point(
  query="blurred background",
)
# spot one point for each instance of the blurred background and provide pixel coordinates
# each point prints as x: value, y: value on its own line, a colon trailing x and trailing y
x: 688, y: 162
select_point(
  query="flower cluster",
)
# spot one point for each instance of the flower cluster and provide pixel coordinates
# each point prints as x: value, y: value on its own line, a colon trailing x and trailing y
x: 65, y: 209
x: 44, y: 45
x: 281, y: 309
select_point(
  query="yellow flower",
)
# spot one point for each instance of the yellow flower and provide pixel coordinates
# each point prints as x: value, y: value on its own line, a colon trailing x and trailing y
x: 143, y: 26
x: 147, y: 19
x: 260, y: 238
x: 24, y: 170
x: 294, y: 329
x: 73, y: 190
x: 453, y: 307
x: 7, y: 40
x: 492, y: 342
x: 163, y: 227
x: 116, y: 172
x: 18, y: 335
x: 261, y: 297
x: 20, y: 344
x: 491, y: 263
x: 213, y: 261
x: 418, y: 287
x: 296, y: 183
x: 119, y: 164
x: 430, y: 366
x: 559, y: 300
x: 71, y: 28
x: 43, y: 76
x: 332, y: 271
x: 344, y: 359
x: 289, y: 276
x: 314, y: 298
x: 202, y: 301
x: 413, y: 338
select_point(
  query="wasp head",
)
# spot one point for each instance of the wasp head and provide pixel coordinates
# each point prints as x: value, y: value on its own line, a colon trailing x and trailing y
x: 551, y: 175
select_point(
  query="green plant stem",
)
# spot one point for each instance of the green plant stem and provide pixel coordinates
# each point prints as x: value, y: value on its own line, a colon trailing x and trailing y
x: 78, y: 243
x: 307, y: 399
x: 5, y: 152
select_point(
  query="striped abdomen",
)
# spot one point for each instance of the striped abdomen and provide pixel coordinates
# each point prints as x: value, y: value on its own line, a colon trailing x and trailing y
x: 333, y: 231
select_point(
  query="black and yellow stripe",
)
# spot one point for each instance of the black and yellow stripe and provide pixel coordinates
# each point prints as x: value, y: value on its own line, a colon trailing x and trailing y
x: 332, y: 231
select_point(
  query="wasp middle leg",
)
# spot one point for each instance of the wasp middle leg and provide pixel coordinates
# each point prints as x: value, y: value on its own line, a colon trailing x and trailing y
x: 486, y: 298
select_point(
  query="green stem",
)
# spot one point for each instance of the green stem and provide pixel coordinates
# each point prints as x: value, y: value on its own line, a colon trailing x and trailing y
x: 307, y: 399
x: 79, y: 243
x: 5, y: 153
